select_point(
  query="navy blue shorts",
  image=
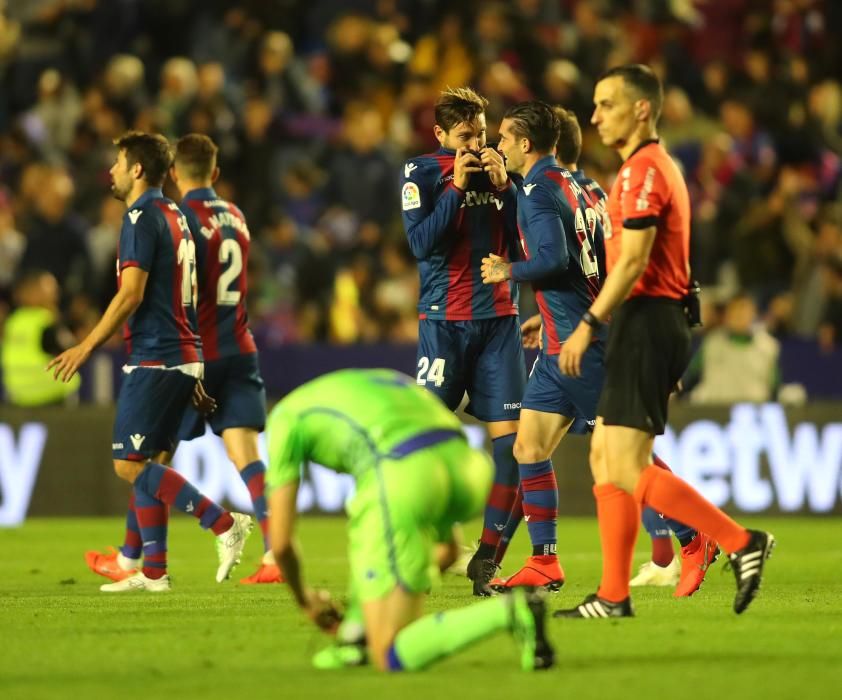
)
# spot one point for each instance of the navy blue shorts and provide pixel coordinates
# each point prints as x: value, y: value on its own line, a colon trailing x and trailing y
x: 237, y: 386
x: 150, y: 407
x: 483, y: 358
x: 550, y: 391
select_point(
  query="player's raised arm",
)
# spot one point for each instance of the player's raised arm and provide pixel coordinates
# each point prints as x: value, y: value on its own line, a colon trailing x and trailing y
x: 425, y: 218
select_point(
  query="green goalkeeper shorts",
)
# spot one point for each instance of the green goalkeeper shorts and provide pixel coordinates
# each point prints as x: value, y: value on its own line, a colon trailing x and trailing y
x: 403, y: 507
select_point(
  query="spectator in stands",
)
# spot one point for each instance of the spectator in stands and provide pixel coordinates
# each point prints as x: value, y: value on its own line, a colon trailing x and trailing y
x: 51, y: 122
x: 255, y: 167
x: 123, y: 87
x: 443, y: 56
x: 55, y: 235
x: 32, y: 335
x: 362, y: 171
x: 830, y: 329
x: 736, y: 362
x: 12, y: 244
x: 179, y: 83
x: 102, y: 240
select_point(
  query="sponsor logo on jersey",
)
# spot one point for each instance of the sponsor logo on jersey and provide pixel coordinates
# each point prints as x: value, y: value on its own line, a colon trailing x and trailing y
x: 134, y: 215
x: 408, y: 168
x: 137, y: 440
x: 527, y: 189
x: 411, y: 196
x: 477, y: 199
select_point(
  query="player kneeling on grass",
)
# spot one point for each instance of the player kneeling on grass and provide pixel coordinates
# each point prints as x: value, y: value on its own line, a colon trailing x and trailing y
x: 416, y: 477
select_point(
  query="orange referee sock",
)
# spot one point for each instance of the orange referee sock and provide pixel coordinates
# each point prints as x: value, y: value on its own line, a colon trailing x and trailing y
x: 619, y: 520
x: 666, y: 493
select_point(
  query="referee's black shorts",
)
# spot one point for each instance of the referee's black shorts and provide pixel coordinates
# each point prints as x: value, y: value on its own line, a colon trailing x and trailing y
x: 647, y: 351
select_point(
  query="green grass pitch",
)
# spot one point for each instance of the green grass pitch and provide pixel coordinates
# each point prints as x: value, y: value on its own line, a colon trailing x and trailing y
x: 62, y: 638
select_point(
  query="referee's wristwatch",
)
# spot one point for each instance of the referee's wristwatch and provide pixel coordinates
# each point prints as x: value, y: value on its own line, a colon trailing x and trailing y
x: 592, y: 320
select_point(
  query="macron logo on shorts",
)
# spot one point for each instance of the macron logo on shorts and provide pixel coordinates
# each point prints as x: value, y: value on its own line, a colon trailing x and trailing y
x: 137, y: 440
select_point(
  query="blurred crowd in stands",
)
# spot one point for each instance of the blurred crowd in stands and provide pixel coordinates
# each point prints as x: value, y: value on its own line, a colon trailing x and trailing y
x: 315, y: 106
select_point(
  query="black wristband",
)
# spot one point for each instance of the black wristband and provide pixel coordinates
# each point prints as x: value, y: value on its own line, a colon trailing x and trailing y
x: 591, y: 320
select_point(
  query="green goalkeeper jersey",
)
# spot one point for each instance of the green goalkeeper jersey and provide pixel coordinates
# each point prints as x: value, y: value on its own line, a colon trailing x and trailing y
x: 347, y: 420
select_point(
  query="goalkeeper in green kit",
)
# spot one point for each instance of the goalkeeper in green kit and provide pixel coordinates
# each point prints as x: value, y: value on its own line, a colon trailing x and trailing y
x: 416, y: 477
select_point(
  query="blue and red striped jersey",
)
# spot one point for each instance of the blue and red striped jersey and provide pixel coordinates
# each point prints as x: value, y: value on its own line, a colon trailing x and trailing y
x: 561, y: 236
x: 222, y: 252
x: 600, y: 205
x: 450, y: 231
x: 155, y: 237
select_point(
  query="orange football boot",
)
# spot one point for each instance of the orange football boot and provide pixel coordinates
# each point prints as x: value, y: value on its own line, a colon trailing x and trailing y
x: 106, y: 564
x: 696, y: 558
x: 266, y: 573
x: 539, y: 571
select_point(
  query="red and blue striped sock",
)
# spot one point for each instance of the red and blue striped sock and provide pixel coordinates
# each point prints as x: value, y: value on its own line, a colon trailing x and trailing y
x: 515, y: 516
x: 684, y: 533
x: 169, y: 486
x: 502, y: 496
x: 152, y: 519
x: 662, y: 551
x: 254, y: 477
x: 133, y: 543
x: 540, y: 505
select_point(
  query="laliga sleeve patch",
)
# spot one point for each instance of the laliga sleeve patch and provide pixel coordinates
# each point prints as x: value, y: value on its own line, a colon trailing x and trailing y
x: 411, y: 196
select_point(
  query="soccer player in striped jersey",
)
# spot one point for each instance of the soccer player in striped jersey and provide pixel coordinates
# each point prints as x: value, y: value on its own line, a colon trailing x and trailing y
x: 560, y: 234
x: 155, y: 304
x: 697, y: 552
x: 458, y: 203
x: 232, y: 374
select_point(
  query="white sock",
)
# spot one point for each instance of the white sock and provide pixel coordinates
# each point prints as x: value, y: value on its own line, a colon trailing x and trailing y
x: 125, y: 563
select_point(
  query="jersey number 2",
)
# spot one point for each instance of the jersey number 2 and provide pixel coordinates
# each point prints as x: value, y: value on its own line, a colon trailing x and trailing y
x: 186, y: 257
x: 229, y: 252
x: 430, y: 372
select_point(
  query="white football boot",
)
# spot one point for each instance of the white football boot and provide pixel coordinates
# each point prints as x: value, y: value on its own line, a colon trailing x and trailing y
x: 230, y: 544
x: 650, y: 574
x: 138, y: 582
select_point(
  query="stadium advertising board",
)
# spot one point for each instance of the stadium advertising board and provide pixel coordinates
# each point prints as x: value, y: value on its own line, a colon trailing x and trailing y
x: 748, y: 458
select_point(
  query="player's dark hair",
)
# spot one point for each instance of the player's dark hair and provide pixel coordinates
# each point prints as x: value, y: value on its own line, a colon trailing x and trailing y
x: 458, y: 105
x: 569, y: 146
x: 195, y: 156
x: 536, y: 121
x: 152, y: 151
x: 643, y: 83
